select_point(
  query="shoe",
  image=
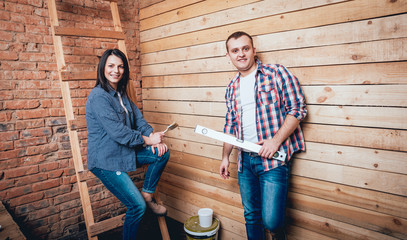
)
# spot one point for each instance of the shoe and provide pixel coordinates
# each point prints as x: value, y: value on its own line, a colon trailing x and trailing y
x: 157, y: 209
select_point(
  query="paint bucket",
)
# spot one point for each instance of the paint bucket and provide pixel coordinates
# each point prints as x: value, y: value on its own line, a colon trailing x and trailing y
x: 194, y: 231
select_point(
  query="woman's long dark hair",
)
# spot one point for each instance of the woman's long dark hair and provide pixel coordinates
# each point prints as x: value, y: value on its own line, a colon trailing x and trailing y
x: 101, y: 78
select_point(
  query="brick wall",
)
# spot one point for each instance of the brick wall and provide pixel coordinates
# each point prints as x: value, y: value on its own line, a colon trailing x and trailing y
x: 37, y: 178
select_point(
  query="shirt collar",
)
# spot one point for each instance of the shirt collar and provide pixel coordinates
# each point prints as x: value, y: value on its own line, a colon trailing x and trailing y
x: 259, y: 69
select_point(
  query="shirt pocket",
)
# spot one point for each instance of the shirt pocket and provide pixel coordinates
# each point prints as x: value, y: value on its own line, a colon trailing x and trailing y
x: 267, y: 95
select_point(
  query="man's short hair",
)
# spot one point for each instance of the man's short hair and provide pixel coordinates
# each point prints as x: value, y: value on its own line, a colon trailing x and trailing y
x: 237, y: 35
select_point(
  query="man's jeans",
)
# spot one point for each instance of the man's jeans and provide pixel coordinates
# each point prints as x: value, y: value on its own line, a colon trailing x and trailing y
x: 264, y: 195
x: 121, y: 185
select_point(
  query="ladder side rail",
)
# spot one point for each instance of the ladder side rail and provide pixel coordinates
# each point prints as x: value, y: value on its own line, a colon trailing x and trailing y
x: 73, y: 136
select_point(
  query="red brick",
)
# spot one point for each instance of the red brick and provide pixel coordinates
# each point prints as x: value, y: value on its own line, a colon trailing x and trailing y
x: 35, y: 85
x: 66, y: 197
x: 18, y: 191
x: 28, y: 124
x: 32, y: 197
x: 30, y: 142
x: 26, y: 208
x: 37, y: 29
x: 56, y: 112
x: 43, y: 149
x: 45, y: 167
x: 14, y: 65
x: 7, y: 55
x: 29, y: 38
x: 6, y: 126
x: 71, y: 212
x: 21, y: 104
x: 28, y: 180
x: 38, y: 132
x: 21, y: 171
x: 6, y: 36
x: 30, y: 114
x: 36, y: 187
x: 7, y: 85
x: 55, y: 174
x: 27, y: 19
x: 40, y: 57
x: 8, y: 136
x: 5, y: 184
x: 12, y: 154
x: 57, y: 191
x: 11, y: 26
x: 29, y: 75
x: 6, y: 95
x: 4, y: 146
x: 31, y: 160
x: 43, y: 213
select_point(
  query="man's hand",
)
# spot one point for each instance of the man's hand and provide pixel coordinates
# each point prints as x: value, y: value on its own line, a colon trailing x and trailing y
x: 269, y: 147
x: 161, y: 147
x: 224, y: 169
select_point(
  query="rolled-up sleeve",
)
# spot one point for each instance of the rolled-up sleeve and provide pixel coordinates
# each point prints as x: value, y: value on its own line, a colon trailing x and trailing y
x: 293, y: 95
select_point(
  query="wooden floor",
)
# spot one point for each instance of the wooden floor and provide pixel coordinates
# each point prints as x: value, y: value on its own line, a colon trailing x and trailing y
x: 9, y: 229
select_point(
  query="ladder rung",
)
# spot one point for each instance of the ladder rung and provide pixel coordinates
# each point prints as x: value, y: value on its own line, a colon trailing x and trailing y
x: 78, y: 123
x: 83, y: 32
x: 87, y: 75
x: 106, y: 225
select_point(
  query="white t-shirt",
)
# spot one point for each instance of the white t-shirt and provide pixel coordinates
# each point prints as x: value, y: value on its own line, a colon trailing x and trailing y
x: 248, y: 107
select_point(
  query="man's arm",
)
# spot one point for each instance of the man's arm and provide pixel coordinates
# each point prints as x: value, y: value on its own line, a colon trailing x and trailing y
x: 224, y: 166
x: 270, y: 146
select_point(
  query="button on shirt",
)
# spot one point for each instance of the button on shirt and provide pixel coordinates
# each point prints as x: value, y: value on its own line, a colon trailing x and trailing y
x: 277, y: 93
x: 113, y: 134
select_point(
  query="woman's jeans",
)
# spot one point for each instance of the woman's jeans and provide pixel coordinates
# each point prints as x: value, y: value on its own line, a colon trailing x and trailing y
x: 264, y: 195
x: 121, y: 185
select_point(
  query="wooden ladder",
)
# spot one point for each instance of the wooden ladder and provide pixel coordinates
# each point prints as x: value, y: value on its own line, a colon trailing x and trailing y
x: 74, y: 124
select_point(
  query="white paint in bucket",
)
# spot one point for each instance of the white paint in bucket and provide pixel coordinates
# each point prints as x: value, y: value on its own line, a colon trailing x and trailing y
x: 205, y: 217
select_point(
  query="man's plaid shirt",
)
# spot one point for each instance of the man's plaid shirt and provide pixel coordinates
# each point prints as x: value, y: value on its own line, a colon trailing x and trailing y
x: 277, y: 93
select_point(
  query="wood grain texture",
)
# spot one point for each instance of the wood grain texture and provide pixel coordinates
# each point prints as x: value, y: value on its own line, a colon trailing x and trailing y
x: 350, y: 58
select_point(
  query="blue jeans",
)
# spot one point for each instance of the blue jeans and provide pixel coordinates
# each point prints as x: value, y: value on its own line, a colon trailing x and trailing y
x: 264, y: 195
x: 121, y: 185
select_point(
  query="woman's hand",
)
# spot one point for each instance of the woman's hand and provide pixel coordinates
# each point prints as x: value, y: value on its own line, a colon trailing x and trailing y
x: 161, y: 147
x: 154, y: 138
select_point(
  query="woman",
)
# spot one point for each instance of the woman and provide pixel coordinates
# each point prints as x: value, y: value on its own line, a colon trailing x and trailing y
x: 120, y: 140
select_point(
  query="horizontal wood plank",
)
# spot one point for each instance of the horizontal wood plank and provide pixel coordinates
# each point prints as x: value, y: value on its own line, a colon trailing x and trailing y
x: 386, y: 139
x: 331, y: 14
x: 258, y: 10
x: 368, y: 179
x: 332, y: 228
x: 388, y: 51
x: 382, y: 202
x: 367, y: 73
x: 164, y: 6
x: 367, y: 219
x: 368, y: 95
x: 190, y: 11
x: 352, y: 32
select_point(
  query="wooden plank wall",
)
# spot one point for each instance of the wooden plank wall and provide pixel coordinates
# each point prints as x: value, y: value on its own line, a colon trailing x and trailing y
x: 350, y: 57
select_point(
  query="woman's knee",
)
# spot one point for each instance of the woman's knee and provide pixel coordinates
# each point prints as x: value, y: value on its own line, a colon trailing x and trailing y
x: 272, y: 225
x: 166, y: 156
x: 137, y: 209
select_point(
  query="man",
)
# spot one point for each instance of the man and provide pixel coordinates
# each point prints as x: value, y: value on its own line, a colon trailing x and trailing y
x: 265, y: 105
